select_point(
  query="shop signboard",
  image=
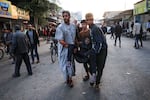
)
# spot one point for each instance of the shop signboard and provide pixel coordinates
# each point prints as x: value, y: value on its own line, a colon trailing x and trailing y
x: 140, y: 8
x: 5, y: 9
x: 14, y: 12
x: 148, y: 4
x: 23, y: 14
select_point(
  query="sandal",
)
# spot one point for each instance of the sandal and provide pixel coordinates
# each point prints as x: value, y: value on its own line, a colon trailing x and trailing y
x: 70, y: 84
x: 86, y: 78
x: 97, y: 86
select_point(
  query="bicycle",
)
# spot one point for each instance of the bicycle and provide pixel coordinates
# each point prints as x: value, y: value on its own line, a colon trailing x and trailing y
x: 53, y: 50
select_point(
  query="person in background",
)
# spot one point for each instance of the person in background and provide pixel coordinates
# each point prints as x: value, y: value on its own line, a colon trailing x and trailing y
x: 9, y: 44
x: 99, y: 47
x: 112, y: 30
x: 148, y: 26
x: 118, y: 31
x: 20, y: 51
x: 104, y: 28
x: 34, y: 41
x: 5, y: 34
x: 138, y: 30
x: 52, y: 29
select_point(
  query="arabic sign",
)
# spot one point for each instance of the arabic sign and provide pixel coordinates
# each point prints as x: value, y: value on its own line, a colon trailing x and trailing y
x: 140, y: 8
x: 5, y: 9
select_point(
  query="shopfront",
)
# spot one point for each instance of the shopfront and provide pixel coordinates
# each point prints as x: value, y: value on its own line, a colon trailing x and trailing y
x: 11, y: 15
x: 141, y: 12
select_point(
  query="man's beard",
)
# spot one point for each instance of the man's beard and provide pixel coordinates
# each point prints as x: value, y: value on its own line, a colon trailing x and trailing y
x: 67, y: 21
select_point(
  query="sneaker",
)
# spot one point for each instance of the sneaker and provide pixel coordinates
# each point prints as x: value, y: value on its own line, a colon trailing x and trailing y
x: 93, y: 79
x: 86, y: 78
x: 15, y: 75
x: 30, y: 74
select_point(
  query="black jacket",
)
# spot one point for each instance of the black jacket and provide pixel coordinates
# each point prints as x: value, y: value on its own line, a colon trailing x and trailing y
x: 118, y: 30
x: 35, y: 37
x: 98, y: 38
x: 19, y: 43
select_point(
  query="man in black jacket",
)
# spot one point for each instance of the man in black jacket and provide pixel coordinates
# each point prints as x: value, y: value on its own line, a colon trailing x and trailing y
x: 20, y: 51
x: 99, y: 47
x: 34, y: 41
x: 118, y: 31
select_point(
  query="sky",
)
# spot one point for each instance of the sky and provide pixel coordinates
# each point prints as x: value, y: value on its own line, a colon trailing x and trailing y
x: 97, y: 7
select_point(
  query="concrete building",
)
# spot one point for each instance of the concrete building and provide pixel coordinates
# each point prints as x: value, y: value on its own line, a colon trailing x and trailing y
x: 11, y: 15
x: 109, y: 17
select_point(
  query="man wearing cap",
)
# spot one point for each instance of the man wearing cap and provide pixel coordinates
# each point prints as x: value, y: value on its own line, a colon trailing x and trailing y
x: 99, y: 47
x: 20, y: 50
x: 34, y: 41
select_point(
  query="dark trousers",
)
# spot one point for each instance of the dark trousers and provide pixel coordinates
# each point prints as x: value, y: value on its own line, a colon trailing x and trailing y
x: 137, y: 38
x: 112, y: 35
x: 93, y: 63
x: 86, y: 67
x: 70, y: 52
x: 100, y: 60
x: 118, y: 37
x: 19, y: 58
x: 34, y: 49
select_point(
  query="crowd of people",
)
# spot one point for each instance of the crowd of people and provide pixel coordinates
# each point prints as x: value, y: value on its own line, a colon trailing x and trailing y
x: 19, y: 44
x: 85, y: 43
x: 116, y: 31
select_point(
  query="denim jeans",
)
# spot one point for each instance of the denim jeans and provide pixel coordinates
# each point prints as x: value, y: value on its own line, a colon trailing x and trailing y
x: 34, y: 49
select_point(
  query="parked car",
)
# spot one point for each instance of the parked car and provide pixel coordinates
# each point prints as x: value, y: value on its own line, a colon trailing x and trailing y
x: 108, y: 30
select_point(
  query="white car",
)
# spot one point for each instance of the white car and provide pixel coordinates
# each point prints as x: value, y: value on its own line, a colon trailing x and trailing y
x: 108, y: 30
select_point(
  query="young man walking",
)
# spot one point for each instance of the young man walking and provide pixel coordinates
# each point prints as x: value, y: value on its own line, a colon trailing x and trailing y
x: 34, y: 41
x: 118, y: 31
x: 65, y: 34
x: 99, y: 47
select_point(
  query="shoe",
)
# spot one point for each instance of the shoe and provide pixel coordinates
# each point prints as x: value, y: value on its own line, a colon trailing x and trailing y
x: 37, y: 61
x: 93, y: 79
x: 86, y: 78
x: 16, y: 75
x: 13, y: 62
x: 114, y: 44
x: 97, y: 86
x: 32, y: 62
x: 91, y: 84
x: 30, y: 74
x: 70, y: 83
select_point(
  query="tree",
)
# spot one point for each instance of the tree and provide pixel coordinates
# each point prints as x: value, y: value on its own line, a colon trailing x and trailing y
x: 37, y: 8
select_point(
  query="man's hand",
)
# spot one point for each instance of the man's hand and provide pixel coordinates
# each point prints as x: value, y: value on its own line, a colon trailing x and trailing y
x: 66, y: 45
